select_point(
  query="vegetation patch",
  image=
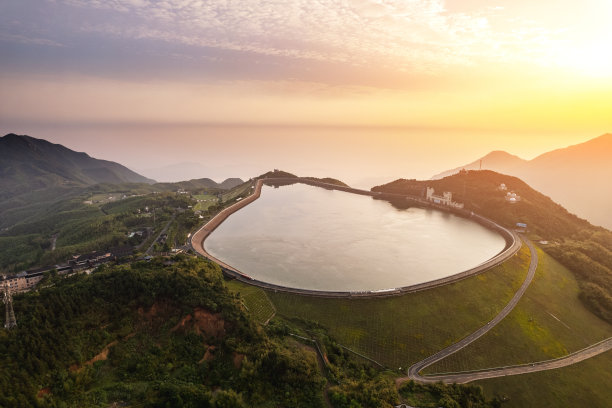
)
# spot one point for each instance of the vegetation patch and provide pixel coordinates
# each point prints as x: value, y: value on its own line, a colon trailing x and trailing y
x: 586, y: 384
x: 398, y: 331
x: 205, y: 201
x: 548, y: 322
x: 255, y: 300
x: 117, y: 326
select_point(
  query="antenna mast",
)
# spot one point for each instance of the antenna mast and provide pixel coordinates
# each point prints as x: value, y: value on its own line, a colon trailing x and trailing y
x: 8, y: 302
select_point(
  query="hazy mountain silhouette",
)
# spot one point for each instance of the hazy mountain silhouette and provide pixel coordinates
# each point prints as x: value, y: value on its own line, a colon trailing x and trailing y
x: 202, y: 183
x: 176, y: 172
x: 230, y: 183
x: 579, y: 177
x: 498, y: 160
x: 179, y: 173
x: 28, y: 164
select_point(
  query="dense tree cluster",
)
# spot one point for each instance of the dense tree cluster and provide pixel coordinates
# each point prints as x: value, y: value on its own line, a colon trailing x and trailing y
x: 133, y: 313
x: 168, y: 333
x: 442, y: 396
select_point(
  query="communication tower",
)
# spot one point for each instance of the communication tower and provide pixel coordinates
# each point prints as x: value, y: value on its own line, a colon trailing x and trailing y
x: 8, y: 305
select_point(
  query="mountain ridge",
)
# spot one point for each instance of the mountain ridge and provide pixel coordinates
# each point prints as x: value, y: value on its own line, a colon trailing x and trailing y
x: 575, y: 176
x: 500, y: 157
x: 28, y: 163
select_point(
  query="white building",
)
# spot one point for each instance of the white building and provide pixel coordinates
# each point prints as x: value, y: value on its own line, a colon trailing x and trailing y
x: 512, y: 197
x: 445, y: 199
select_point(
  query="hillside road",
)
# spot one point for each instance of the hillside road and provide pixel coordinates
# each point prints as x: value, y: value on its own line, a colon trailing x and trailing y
x: 578, y: 356
x: 413, y: 371
x: 468, y: 376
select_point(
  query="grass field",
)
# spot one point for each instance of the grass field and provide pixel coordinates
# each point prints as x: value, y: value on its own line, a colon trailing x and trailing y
x: 204, y: 201
x: 548, y: 322
x: 239, y: 191
x: 586, y: 384
x: 255, y: 299
x: 399, y: 331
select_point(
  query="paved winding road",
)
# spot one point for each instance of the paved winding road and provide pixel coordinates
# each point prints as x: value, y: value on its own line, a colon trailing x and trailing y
x: 578, y: 356
x: 413, y: 371
x: 465, y: 377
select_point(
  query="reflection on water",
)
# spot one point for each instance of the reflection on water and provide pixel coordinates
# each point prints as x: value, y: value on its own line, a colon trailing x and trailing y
x: 311, y: 238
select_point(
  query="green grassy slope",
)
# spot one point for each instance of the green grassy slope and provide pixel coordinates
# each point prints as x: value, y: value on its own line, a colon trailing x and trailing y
x: 255, y: 300
x: 586, y: 384
x: 399, y: 331
x: 549, y: 322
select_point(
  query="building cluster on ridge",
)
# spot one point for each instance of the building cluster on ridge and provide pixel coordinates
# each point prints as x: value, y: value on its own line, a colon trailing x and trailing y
x: 511, y: 196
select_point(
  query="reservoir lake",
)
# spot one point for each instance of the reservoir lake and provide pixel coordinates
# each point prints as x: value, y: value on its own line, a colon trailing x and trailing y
x: 306, y: 237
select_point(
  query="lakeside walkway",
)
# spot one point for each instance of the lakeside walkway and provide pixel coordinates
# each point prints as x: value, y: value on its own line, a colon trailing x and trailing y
x: 571, y: 359
x: 512, y: 247
x: 513, y: 242
x: 198, y: 238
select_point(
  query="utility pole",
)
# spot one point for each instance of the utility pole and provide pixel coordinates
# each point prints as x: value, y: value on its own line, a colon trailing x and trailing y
x: 8, y: 305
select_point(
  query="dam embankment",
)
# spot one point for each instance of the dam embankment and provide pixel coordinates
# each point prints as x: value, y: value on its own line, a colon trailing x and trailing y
x: 513, y: 243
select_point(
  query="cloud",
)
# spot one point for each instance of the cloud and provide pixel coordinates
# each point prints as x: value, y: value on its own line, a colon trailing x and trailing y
x: 23, y: 39
x: 388, y: 43
x: 420, y: 35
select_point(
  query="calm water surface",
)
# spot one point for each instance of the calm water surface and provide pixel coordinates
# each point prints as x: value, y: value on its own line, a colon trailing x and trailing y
x: 311, y: 238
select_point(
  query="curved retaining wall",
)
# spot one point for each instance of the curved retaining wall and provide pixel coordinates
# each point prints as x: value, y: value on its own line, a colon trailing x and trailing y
x: 513, y: 243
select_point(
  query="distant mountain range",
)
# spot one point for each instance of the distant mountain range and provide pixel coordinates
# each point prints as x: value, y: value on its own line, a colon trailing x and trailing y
x: 28, y: 164
x: 579, y: 177
x: 35, y: 174
x: 176, y: 172
x: 197, y: 184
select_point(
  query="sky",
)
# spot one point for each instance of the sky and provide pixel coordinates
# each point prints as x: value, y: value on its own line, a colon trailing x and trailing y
x: 383, y: 88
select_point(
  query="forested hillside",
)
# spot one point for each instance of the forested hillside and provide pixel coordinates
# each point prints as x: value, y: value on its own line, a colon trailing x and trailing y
x: 159, y: 335
x: 78, y: 228
x: 28, y: 164
x: 168, y: 333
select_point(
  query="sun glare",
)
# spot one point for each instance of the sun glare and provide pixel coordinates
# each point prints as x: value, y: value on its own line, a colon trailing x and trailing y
x: 588, y: 52
x: 593, y: 59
